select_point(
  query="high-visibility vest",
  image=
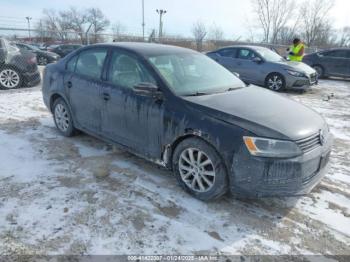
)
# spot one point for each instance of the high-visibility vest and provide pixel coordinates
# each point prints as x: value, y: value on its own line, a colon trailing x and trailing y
x: 295, y: 50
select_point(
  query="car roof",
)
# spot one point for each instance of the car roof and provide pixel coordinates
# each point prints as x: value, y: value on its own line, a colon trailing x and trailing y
x: 254, y: 47
x: 149, y: 49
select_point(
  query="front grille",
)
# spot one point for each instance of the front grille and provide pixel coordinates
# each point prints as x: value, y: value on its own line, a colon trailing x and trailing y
x: 309, y: 143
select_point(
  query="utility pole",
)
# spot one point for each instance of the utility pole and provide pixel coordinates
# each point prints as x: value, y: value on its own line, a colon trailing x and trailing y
x: 143, y: 20
x: 28, y: 20
x: 161, y: 12
x: 41, y: 31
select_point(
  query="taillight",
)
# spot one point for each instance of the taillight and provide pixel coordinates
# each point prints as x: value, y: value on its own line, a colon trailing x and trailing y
x: 32, y: 60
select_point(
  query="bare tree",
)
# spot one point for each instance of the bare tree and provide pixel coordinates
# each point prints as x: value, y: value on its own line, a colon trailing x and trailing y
x: 98, y: 21
x: 75, y: 21
x: 118, y: 30
x: 273, y: 15
x: 345, y: 37
x: 315, y: 22
x: 216, y: 33
x: 54, y: 25
x: 199, y: 32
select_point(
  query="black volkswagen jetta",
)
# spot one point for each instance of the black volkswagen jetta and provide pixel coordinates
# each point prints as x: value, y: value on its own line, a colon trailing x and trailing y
x: 184, y: 111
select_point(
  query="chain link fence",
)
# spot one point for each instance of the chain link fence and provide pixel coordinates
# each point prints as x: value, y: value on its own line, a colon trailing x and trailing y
x: 47, y: 38
x: 19, y: 60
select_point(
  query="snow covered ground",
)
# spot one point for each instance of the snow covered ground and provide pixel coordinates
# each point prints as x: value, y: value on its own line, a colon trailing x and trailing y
x: 82, y: 196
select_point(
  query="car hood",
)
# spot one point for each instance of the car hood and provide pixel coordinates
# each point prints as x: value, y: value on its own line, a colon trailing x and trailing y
x: 262, y: 112
x: 297, y: 66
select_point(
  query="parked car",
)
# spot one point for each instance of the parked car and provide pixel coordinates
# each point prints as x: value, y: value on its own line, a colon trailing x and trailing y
x: 332, y: 62
x: 264, y: 67
x: 64, y: 50
x: 43, y: 57
x: 17, y: 69
x: 182, y: 110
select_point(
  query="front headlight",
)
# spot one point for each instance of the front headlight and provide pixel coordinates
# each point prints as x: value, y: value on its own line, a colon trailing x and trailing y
x: 296, y: 73
x: 265, y: 147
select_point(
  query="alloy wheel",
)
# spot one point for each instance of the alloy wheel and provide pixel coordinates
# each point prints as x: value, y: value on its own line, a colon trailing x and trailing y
x: 62, y: 117
x: 9, y: 78
x: 42, y: 61
x: 197, y: 170
x: 275, y: 82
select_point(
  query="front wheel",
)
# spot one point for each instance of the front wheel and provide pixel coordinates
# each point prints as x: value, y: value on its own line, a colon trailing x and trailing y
x: 275, y: 82
x: 63, y: 118
x: 199, y: 169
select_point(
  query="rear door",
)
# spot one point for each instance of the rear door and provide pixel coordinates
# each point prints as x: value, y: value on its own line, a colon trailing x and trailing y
x: 227, y: 58
x: 84, y: 84
x: 335, y: 62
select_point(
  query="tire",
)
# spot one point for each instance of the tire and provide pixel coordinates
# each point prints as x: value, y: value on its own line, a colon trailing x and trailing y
x: 213, y: 175
x: 320, y: 71
x: 63, y: 118
x: 42, y: 60
x: 10, y: 78
x: 275, y: 82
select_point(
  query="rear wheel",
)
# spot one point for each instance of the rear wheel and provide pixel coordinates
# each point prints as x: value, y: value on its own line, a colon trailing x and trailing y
x: 10, y: 78
x: 63, y: 118
x: 199, y: 169
x: 275, y: 82
x: 42, y: 60
x: 320, y: 71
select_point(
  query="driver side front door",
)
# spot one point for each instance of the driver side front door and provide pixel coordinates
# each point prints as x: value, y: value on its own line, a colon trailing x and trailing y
x: 129, y: 118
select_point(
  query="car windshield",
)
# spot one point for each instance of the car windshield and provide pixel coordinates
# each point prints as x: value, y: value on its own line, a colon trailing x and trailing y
x: 194, y: 74
x: 269, y: 55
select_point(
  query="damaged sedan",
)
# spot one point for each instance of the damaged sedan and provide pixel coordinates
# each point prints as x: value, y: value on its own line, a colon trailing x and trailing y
x: 182, y: 110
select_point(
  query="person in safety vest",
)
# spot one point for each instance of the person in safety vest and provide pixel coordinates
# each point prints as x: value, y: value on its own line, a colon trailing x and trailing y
x: 296, y: 51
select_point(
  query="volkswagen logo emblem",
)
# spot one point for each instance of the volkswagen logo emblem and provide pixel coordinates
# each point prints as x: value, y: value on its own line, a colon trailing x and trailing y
x: 322, y: 138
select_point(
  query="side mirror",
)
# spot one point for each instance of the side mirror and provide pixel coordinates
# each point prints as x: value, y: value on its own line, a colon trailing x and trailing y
x: 257, y: 60
x: 148, y: 89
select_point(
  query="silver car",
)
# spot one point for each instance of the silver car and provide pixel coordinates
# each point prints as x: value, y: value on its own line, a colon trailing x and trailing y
x: 264, y: 67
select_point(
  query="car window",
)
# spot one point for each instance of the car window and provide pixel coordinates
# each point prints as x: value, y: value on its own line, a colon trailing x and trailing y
x: 246, y: 54
x: 228, y: 52
x: 336, y: 53
x: 90, y: 62
x: 70, y: 66
x: 126, y: 70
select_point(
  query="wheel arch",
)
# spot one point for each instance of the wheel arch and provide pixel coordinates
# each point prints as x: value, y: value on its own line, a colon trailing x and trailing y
x: 54, y: 97
x: 170, y: 149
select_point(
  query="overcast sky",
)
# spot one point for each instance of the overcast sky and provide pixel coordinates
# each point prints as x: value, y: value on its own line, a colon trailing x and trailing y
x: 232, y: 15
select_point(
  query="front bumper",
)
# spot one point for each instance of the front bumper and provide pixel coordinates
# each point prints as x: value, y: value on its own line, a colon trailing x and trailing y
x: 301, y: 83
x: 254, y: 177
x: 31, y: 78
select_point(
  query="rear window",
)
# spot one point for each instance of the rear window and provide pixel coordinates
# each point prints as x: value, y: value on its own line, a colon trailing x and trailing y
x: 90, y: 62
x: 229, y: 52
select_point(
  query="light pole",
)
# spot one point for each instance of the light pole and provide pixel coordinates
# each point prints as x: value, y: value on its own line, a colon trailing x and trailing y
x: 161, y: 12
x: 28, y: 20
x: 143, y: 20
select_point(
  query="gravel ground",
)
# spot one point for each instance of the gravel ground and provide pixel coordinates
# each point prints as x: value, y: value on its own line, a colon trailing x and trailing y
x: 82, y: 196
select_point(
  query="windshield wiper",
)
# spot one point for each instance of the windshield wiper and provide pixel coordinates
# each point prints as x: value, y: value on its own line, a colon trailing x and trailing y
x: 197, y: 94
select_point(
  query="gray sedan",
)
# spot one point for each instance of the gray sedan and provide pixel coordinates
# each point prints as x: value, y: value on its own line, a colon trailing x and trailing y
x: 261, y: 66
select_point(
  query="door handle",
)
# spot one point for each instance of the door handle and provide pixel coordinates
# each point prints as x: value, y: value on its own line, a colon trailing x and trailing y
x: 69, y: 84
x: 106, y: 96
